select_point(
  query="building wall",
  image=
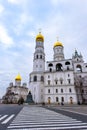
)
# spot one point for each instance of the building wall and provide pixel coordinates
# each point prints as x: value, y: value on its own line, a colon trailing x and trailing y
x: 37, y: 87
x: 59, y: 83
x: 19, y: 91
x: 65, y: 89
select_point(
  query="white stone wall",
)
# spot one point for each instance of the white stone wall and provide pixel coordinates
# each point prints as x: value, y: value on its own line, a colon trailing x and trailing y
x: 38, y: 65
x: 37, y: 90
x: 66, y: 94
x: 65, y: 86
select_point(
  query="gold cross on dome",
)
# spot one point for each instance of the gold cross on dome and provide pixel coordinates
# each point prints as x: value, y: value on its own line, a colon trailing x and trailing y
x: 39, y: 30
x: 57, y: 38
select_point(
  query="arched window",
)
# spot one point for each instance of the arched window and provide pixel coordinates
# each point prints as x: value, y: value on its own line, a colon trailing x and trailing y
x: 42, y: 78
x: 69, y: 81
x: 62, y: 99
x: 61, y: 90
x: 35, y: 78
x: 50, y: 69
x: 50, y: 65
x: 67, y: 67
x: 59, y: 67
x: 56, y: 90
x: 56, y: 81
x: 70, y: 90
x: 40, y: 56
x: 57, y: 100
x: 79, y: 68
x: 48, y: 90
x: 37, y: 56
x: 67, y: 63
x: 61, y: 81
x: 82, y: 90
x: 49, y: 100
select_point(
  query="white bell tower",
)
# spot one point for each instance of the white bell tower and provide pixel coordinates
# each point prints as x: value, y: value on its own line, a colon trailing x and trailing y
x: 36, y: 83
x: 39, y: 55
x: 58, y: 51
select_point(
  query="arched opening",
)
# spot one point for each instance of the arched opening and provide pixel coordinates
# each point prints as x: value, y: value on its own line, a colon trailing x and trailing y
x: 57, y: 99
x: 67, y: 63
x: 79, y: 68
x: 56, y: 81
x: 68, y: 68
x: 50, y: 69
x: 82, y: 91
x: 49, y: 100
x: 62, y: 99
x: 61, y: 81
x: 42, y: 78
x: 71, y: 100
x: 40, y: 56
x: 37, y: 56
x: 59, y: 67
x: 50, y: 65
x: 70, y: 90
x: 61, y: 90
x: 35, y: 78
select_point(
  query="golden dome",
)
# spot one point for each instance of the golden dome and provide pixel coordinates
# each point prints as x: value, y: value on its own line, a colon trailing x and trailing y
x: 40, y: 37
x: 58, y: 44
x: 18, y: 77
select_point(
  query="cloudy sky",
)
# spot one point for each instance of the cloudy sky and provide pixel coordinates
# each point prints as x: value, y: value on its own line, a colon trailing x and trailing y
x: 20, y: 21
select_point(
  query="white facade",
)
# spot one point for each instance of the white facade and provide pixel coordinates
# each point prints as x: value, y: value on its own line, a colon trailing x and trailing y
x: 56, y: 83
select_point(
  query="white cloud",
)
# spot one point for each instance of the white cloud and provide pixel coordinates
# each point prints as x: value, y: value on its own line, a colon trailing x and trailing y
x: 24, y: 18
x: 19, y: 2
x: 31, y: 34
x: 1, y: 72
x: 54, y: 2
x: 14, y: 1
x: 1, y: 8
x: 5, y: 39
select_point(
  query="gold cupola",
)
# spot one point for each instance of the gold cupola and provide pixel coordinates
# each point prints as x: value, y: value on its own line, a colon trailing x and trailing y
x: 40, y: 37
x: 57, y: 43
x: 18, y: 77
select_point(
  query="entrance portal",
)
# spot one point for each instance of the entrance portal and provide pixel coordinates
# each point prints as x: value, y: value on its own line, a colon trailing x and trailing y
x: 71, y: 100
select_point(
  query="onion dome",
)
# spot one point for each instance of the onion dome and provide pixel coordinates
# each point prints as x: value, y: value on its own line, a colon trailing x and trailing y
x: 40, y: 37
x: 58, y: 44
x: 18, y: 77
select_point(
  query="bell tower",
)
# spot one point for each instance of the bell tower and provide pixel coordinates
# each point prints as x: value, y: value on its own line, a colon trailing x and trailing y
x: 58, y: 51
x: 36, y: 81
x: 39, y: 55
